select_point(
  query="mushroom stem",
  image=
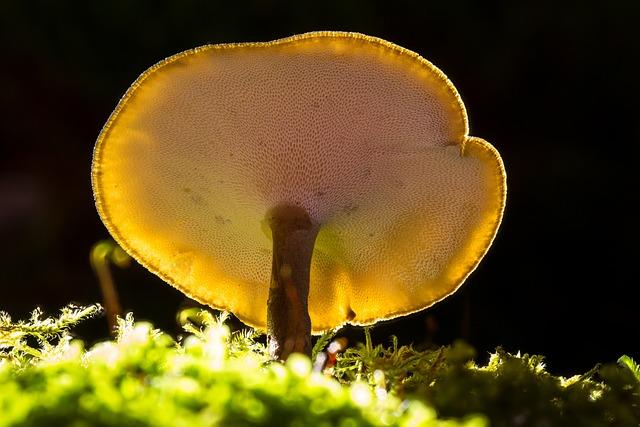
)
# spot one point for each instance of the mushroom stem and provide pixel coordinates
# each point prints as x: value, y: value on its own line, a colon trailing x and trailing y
x: 288, y: 321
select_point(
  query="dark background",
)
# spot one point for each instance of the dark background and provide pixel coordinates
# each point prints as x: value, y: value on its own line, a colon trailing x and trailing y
x: 553, y: 86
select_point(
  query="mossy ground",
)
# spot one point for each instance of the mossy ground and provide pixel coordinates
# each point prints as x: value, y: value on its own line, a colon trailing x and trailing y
x: 217, y: 377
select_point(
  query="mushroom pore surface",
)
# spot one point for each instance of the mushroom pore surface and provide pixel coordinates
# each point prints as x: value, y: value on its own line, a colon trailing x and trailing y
x: 368, y: 138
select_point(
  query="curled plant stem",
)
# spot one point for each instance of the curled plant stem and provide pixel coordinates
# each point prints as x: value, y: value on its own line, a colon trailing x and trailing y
x: 102, y: 255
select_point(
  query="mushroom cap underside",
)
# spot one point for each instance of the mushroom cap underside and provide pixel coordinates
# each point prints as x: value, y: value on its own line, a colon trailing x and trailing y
x: 369, y: 138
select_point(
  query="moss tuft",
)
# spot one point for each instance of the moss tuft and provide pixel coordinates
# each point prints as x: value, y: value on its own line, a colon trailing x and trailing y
x: 218, y: 377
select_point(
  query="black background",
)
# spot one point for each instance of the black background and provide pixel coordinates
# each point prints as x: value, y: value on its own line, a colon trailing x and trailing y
x: 554, y: 86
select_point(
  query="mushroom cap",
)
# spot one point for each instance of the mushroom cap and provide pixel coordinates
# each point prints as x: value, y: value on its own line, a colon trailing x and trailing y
x: 368, y: 137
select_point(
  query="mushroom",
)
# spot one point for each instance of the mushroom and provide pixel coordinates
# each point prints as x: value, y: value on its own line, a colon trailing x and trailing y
x: 304, y: 183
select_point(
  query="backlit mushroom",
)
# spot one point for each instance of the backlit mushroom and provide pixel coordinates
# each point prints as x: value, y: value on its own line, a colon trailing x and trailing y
x: 301, y: 184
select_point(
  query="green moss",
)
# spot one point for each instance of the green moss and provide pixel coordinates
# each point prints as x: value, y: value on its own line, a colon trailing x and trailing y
x: 216, y: 377
x: 213, y: 377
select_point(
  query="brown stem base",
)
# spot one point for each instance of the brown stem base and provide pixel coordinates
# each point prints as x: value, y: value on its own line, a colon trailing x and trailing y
x: 288, y: 321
